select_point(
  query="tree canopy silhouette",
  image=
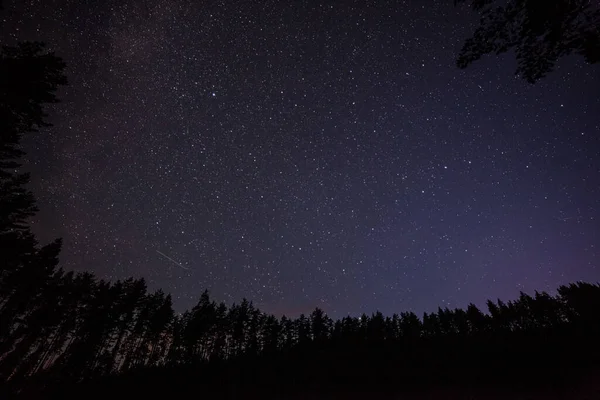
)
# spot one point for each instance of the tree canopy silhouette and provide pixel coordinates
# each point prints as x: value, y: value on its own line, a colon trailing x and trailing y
x: 539, y: 31
x: 29, y: 78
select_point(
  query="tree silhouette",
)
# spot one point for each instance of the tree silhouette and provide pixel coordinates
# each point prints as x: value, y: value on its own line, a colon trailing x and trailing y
x: 320, y: 325
x: 132, y: 294
x: 220, y: 349
x: 29, y: 78
x: 476, y: 319
x: 539, y: 31
x: 288, y: 333
x: 78, y: 328
x: 25, y: 314
x: 271, y: 334
x: 303, y: 330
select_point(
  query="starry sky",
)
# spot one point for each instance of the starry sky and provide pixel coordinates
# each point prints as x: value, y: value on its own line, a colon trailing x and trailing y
x: 306, y: 154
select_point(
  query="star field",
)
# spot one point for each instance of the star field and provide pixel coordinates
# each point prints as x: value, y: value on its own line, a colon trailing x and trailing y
x: 307, y: 154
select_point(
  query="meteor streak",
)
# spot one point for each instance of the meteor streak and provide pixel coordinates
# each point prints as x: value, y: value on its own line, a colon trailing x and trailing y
x: 173, y: 261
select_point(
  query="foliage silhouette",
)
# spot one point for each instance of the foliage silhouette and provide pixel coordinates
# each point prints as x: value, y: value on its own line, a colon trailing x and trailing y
x: 29, y: 78
x: 540, y: 32
x: 29, y: 280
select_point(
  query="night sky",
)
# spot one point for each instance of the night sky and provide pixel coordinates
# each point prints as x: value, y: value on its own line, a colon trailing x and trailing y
x: 305, y: 154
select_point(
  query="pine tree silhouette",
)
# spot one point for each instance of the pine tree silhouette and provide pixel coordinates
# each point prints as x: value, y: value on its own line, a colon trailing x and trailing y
x: 29, y: 78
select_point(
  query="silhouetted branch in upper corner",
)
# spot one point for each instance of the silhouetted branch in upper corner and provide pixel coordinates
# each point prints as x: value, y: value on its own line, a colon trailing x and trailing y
x: 539, y: 31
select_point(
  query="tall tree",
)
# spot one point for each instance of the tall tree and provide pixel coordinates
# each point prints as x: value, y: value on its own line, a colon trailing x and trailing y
x: 271, y: 335
x: 320, y: 325
x: 29, y: 79
x: 376, y: 327
x: 476, y: 319
x: 539, y: 31
x: 303, y: 330
x: 220, y: 349
x: 239, y: 317
x: 125, y: 311
x: 410, y: 326
x: 288, y: 333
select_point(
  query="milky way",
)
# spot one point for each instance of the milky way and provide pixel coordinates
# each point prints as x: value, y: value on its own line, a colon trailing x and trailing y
x: 305, y: 154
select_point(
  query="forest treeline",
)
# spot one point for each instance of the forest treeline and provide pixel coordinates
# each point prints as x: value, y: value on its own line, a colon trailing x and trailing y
x: 73, y: 325
x: 66, y: 326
